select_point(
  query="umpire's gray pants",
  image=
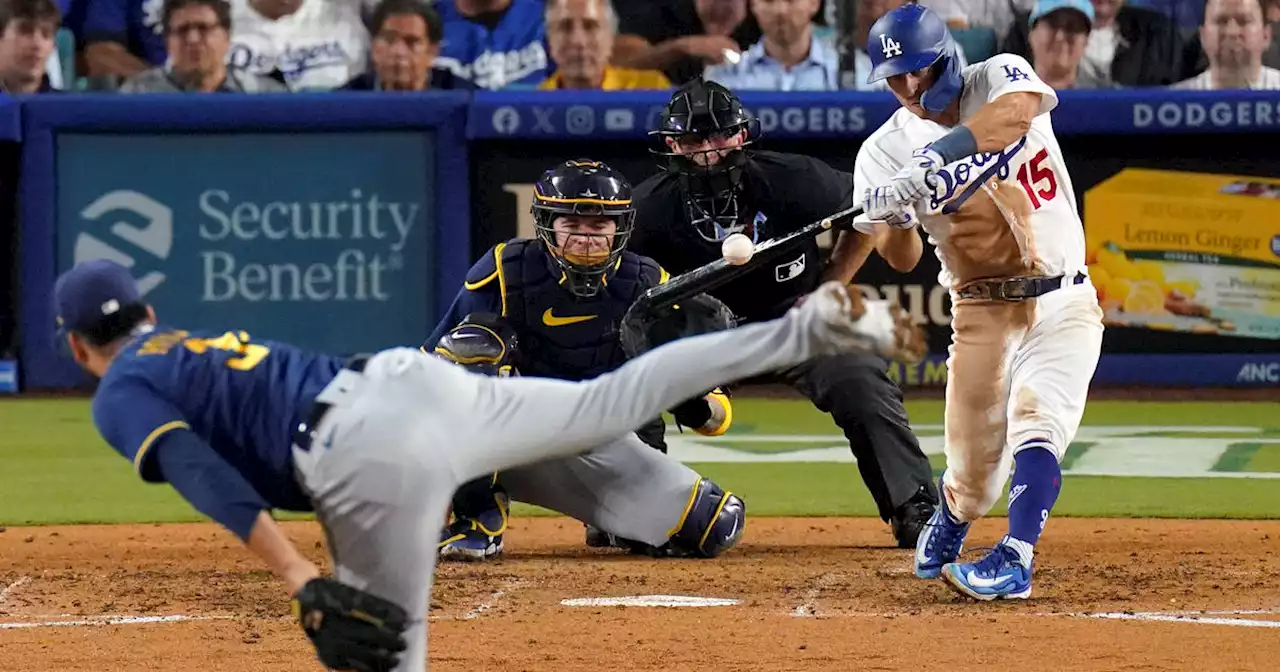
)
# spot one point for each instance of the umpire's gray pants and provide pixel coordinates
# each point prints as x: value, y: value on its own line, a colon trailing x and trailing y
x: 406, y: 433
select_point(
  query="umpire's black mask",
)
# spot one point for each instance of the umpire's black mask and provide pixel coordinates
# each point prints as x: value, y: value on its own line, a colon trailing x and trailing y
x: 704, y: 135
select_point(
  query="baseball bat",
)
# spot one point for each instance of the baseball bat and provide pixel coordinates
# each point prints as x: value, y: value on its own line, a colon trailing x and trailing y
x: 715, y: 274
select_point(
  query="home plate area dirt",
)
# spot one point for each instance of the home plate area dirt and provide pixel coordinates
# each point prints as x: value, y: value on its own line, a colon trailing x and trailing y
x: 797, y: 594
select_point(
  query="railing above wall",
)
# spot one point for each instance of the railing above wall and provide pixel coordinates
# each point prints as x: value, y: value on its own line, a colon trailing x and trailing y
x: 628, y: 115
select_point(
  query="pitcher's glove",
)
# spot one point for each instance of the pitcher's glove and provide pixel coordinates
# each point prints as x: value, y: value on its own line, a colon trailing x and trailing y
x: 351, y: 629
x: 643, y: 330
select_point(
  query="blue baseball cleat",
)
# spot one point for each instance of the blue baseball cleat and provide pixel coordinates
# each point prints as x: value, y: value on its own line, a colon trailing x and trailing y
x: 474, y: 539
x: 999, y: 576
x: 940, y: 541
x: 466, y: 541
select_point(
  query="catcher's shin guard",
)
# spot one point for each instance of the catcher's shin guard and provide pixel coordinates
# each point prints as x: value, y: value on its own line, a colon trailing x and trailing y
x: 713, y: 524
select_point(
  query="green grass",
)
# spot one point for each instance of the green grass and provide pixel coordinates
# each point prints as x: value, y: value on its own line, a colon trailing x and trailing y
x: 1265, y: 459
x: 57, y: 469
x: 835, y: 489
x: 798, y: 416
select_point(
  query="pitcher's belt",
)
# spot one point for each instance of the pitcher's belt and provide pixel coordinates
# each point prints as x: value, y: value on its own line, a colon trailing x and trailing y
x: 305, y: 432
x: 1016, y: 289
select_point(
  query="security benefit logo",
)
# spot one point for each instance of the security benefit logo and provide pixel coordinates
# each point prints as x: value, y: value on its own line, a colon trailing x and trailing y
x: 139, y: 244
x: 229, y: 248
x: 372, y: 234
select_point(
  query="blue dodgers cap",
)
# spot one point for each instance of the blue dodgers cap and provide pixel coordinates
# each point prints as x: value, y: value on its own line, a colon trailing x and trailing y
x: 91, y: 292
x: 1046, y: 6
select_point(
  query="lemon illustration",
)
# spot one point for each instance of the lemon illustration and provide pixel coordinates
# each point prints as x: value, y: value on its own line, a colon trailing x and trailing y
x: 1151, y: 271
x: 1186, y: 288
x: 1100, y: 276
x: 1144, y: 298
x: 1118, y: 289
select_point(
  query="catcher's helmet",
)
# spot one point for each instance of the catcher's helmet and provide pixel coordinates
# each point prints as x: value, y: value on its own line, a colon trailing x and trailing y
x: 911, y: 38
x: 704, y: 133
x: 583, y: 187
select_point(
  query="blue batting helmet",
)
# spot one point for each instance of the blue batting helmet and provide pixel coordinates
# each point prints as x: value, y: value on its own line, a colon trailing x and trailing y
x: 910, y: 38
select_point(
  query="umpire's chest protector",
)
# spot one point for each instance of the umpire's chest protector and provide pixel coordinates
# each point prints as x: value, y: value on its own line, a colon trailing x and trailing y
x: 562, y: 335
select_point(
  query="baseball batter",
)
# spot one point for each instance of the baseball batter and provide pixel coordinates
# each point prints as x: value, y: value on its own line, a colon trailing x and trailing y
x: 972, y: 159
x: 551, y: 306
x: 377, y: 446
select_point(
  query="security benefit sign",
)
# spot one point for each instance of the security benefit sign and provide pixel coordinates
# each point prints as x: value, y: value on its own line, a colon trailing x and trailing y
x: 322, y: 240
x: 1187, y: 252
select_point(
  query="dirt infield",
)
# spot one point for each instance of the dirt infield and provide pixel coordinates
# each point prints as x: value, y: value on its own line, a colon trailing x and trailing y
x: 813, y: 594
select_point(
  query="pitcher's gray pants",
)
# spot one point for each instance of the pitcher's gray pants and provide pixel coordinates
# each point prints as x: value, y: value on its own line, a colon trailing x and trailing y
x: 402, y: 436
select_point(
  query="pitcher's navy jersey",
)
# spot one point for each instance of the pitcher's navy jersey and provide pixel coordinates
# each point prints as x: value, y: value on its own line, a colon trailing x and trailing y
x: 244, y: 398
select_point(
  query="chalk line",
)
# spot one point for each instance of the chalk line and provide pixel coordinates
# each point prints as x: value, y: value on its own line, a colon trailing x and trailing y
x: 22, y: 581
x: 808, y: 608
x: 1180, y: 618
x: 109, y: 620
x: 493, y: 599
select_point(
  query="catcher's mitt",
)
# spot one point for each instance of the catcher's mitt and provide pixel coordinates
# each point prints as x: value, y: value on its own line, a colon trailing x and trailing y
x: 484, y: 343
x: 351, y: 629
x: 644, y: 329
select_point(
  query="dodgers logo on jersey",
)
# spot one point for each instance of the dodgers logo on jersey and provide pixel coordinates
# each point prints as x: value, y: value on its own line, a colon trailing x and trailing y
x: 985, y: 164
x: 889, y: 46
x: 1014, y: 73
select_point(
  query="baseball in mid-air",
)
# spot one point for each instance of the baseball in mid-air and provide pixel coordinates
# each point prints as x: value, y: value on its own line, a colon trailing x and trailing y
x: 737, y: 249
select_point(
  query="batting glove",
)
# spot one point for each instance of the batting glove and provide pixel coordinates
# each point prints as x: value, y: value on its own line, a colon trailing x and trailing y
x: 917, y: 178
x: 882, y: 205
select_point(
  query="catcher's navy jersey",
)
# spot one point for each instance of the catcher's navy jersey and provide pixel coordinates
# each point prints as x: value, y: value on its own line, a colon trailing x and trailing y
x: 243, y: 398
x: 561, y: 335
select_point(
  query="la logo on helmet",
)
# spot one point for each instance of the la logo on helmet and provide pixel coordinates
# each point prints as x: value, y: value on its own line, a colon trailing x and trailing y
x: 889, y: 47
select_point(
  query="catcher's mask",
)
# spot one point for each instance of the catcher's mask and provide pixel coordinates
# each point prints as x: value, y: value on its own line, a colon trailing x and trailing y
x: 704, y: 135
x: 589, y: 195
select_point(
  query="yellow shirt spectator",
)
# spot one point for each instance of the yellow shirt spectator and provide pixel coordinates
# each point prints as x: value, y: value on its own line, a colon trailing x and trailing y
x: 618, y: 79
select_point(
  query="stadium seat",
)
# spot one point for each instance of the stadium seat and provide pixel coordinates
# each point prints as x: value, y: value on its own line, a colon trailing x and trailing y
x: 65, y: 42
x: 978, y: 44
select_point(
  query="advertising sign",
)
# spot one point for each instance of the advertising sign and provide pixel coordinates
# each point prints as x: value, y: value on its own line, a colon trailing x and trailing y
x: 1187, y: 252
x: 321, y: 240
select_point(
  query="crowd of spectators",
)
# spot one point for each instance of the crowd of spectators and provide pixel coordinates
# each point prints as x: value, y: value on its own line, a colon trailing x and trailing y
x: 262, y: 46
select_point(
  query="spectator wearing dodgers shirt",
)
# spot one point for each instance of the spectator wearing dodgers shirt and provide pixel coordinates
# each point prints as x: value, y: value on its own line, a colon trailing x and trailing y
x: 123, y: 37
x: 495, y: 43
x: 307, y: 44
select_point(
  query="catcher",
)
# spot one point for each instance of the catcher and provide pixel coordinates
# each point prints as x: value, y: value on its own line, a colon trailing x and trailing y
x: 551, y: 307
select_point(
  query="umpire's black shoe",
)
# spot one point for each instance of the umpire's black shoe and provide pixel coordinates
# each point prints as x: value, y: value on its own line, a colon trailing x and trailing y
x: 911, y: 518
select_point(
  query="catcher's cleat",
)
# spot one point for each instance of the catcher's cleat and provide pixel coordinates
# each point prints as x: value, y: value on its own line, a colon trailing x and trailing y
x: 598, y: 538
x: 466, y: 541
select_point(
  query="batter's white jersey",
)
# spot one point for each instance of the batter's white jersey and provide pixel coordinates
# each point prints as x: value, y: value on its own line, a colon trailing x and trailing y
x: 321, y: 46
x: 991, y: 215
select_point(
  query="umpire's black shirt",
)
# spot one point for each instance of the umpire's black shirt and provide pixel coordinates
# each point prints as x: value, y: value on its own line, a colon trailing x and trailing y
x: 780, y: 193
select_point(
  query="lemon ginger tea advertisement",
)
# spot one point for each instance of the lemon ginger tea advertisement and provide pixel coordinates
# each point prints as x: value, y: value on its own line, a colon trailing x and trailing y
x: 1186, y: 252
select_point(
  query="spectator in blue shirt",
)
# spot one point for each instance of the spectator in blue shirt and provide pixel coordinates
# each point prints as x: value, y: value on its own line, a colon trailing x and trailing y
x: 495, y: 43
x: 26, y: 41
x: 788, y: 56
x: 406, y: 42
x: 123, y: 37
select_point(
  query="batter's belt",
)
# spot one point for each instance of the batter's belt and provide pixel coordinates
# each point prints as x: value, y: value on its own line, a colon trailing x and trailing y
x: 1015, y: 289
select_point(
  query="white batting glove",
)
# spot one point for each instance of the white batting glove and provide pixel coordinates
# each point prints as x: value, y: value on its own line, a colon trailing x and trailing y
x: 882, y: 205
x: 917, y: 178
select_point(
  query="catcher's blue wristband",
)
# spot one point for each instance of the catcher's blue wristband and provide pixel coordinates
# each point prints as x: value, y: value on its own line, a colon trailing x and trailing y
x: 955, y: 145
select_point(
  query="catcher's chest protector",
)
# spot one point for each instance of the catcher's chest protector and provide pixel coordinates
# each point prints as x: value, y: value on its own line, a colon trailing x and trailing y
x: 563, y: 336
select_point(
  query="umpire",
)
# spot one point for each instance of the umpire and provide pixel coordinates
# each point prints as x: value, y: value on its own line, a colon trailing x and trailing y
x: 712, y: 186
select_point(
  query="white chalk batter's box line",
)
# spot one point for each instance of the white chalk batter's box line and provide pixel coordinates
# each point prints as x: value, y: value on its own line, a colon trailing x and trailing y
x: 1216, y: 617
x: 99, y: 620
